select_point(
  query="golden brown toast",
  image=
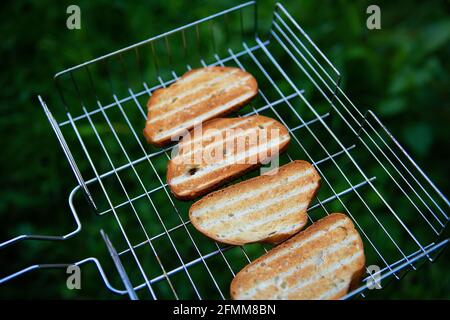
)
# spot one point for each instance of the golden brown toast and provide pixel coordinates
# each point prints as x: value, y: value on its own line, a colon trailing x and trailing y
x: 324, y: 261
x: 225, y: 149
x: 268, y: 208
x: 199, y: 95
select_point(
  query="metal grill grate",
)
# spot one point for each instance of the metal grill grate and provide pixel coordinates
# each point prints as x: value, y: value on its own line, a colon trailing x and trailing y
x: 157, y: 252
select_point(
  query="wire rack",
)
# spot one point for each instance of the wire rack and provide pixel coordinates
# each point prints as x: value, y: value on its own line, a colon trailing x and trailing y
x: 154, y: 248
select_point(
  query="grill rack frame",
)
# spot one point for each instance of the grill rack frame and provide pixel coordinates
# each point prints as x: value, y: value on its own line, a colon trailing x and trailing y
x: 282, y: 25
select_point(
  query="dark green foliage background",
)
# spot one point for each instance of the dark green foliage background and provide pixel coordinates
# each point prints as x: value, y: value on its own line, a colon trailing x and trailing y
x: 400, y: 71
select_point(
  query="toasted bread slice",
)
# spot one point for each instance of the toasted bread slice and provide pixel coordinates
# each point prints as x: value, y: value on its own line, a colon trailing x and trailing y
x: 199, y: 95
x: 322, y: 262
x: 223, y: 150
x: 268, y: 208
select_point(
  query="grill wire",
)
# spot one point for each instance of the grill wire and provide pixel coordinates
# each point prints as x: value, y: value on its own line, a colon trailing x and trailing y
x: 155, y: 249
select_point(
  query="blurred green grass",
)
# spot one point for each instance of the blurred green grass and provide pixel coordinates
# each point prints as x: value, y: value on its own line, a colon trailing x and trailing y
x: 400, y: 71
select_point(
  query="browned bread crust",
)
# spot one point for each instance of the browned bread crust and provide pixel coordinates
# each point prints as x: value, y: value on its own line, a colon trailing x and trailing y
x: 324, y: 261
x: 199, y: 95
x: 189, y: 178
x: 268, y: 208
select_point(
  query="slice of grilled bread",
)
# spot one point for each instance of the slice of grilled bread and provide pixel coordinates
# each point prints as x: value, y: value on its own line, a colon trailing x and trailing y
x: 322, y: 262
x: 224, y: 149
x: 199, y: 95
x: 268, y: 208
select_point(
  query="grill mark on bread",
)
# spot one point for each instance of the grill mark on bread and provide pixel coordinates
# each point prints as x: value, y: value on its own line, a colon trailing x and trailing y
x: 212, y: 177
x: 297, y: 246
x: 262, y: 204
x: 267, y: 208
x: 308, y: 254
x: 180, y: 93
x: 289, y: 216
x: 188, y: 82
x: 173, y: 131
x: 238, y: 200
x: 192, y: 141
x: 260, y: 222
x: 191, y: 105
x: 230, y: 160
x: 243, y: 231
x: 223, y: 141
x: 197, y: 96
x: 326, y: 267
x: 308, y: 271
x: 334, y: 269
x: 327, y: 256
x: 254, y: 194
x: 213, y: 171
x: 338, y: 291
x: 192, y: 75
x: 265, y: 205
x: 311, y: 286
